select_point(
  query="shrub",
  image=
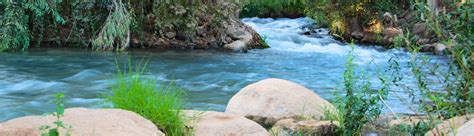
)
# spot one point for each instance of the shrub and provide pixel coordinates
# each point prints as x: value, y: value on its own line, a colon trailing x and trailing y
x: 274, y: 8
x: 360, y: 104
x: 132, y: 91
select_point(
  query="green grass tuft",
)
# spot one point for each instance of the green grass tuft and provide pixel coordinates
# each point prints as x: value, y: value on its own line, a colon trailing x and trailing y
x: 132, y: 91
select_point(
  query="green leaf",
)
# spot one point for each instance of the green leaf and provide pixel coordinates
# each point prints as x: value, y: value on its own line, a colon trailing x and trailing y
x: 53, y: 132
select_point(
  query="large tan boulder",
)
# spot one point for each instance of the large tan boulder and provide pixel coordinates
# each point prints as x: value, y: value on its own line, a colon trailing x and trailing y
x: 447, y: 127
x: 211, y: 123
x: 270, y: 100
x: 291, y: 127
x: 466, y: 129
x: 85, y: 122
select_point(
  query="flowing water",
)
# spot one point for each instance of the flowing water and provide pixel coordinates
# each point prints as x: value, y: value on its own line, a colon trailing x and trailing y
x: 211, y: 78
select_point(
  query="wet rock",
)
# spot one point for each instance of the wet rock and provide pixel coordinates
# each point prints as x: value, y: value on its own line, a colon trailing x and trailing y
x: 270, y: 100
x: 205, y: 123
x: 291, y: 127
x: 237, y: 46
x: 97, y: 122
x: 357, y: 35
x: 241, y: 37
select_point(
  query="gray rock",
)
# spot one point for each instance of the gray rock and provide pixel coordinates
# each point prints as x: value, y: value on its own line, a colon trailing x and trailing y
x: 237, y: 46
x: 439, y: 48
x: 357, y: 35
x: 423, y: 41
x: 235, y: 33
x: 170, y: 35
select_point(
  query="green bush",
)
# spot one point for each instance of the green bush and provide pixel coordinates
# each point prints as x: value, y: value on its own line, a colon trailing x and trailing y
x: 274, y: 8
x: 132, y: 91
x: 360, y: 104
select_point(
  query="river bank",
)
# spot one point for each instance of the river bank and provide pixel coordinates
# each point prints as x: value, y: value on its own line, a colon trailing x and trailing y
x: 285, y: 114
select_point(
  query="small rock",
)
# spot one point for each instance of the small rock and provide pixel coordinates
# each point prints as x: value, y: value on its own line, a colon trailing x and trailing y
x: 201, y: 32
x: 85, y: 122
x: 389, y: 20
x: 210, y: 123
x: 357, y: 35
x: 439, y: 48
x: 270, y: 100
x: 423, y: 41
x: 307, y: 33
x: 237, y: 46
x: 419, y: 28
x: 427, y: 48
x: 170, y: 35
x: 290, y: 127
x: 391, y: 32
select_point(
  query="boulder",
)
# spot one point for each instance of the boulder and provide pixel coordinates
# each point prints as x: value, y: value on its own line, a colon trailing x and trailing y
x: 96, y: 122
x: 447, y: 126
x: 270, y: 100
x: 204, y: 28
x: 291, y: 127
x: 242, y: 39
x: 466, y: 129
x: 205, y: 123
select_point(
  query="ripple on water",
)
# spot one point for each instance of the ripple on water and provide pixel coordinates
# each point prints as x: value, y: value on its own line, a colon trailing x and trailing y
x: 88, y: 74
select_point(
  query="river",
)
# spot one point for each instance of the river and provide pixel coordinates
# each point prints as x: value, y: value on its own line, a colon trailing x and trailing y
x: 29, y: 79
